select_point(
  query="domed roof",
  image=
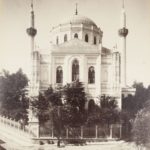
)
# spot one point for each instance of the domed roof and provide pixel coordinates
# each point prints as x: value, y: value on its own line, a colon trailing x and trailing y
x: 78, y: 19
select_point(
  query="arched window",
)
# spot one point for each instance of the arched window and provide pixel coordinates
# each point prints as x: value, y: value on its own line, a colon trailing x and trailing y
x: 57, y: 40
x: 95, y: 40
x: 91, y: 75
x: 75, y: 35
x: 91, y: 105
x: 75, y: 70
x: 65, y: 37
x: 86, y: 38
x: 59, y: 75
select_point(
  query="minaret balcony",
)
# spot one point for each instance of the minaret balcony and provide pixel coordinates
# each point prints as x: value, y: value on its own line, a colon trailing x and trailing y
x: 31, y: 31
x: 123, y: 32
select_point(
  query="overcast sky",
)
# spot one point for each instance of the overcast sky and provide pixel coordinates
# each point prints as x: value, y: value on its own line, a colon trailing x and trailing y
x: 15, y: 18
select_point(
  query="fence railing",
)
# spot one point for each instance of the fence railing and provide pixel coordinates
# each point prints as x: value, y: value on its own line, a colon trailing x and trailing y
x: 16, y: 125
x: 113, y: 131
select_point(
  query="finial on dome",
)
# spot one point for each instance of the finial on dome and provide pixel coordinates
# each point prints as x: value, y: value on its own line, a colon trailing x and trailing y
x: 76, y: 13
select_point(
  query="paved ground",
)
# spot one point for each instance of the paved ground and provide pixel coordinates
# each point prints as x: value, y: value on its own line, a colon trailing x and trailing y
x: 95, y: 146
x: 120, y: 145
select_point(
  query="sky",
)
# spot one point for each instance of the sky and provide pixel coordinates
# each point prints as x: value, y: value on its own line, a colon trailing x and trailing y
x: 15, y: 19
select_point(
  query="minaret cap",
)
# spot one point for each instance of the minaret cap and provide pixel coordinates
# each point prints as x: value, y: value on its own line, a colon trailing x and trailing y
x: 76, y: 12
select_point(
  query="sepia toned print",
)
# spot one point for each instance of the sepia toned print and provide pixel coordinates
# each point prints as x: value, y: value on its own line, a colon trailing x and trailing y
x: 74, y: 74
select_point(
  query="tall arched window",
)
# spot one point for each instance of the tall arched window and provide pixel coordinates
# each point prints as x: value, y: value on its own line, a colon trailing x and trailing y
x: 65, y: 38
x: 91, y: 75
x: 59, y: 75
x: 95, y: 40
x: 75, y: 35
x: 75, y: 70
x: 57, y: 40
x: 86, y: 38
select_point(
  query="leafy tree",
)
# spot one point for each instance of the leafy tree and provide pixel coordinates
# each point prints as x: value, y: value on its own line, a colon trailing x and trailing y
x: 132, y: 104
x: 109, y: 110
x: 64, y: 107
x: 45, y: 104
x: 13, y: 95
x: 74, y: 95
x: 141, y: 128
x: 48, y: 105
x: 74, y: 98
x: 105, y: 113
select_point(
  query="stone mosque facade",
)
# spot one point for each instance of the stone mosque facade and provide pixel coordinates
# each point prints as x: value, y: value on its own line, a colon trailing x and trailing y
x: 76, y: 52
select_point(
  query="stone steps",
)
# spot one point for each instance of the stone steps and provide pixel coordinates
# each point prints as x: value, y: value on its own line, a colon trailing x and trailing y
x: 12, y: 135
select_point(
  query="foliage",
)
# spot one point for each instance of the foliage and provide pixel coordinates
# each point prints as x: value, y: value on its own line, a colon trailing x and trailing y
x: 105, y: 113
x: 46, y: 103
x: 132, y: 104
x: 74, y: 95
x: 141, y: 127
x: 13, y: 95
x: 109, y: 110
x: 74, y: 104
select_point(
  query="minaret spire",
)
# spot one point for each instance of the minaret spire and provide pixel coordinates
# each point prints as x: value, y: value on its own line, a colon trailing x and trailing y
x: 123, y: 32
x: 32, y: 31
x: 76, y: 12
x: 123, y: 15
x: 123, y: 4
x: 31, y: 5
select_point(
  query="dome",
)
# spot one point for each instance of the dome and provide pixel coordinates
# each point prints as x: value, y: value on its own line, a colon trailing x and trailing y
x: 77, y: 19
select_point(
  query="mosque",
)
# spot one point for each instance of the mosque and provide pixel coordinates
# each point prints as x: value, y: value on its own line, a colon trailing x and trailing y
x: 76, y: 52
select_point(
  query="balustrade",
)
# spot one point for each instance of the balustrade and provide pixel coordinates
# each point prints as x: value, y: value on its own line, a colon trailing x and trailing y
x: 15, y: 125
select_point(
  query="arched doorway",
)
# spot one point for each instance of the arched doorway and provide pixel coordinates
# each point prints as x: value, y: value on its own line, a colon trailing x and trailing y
x: 91, y: 105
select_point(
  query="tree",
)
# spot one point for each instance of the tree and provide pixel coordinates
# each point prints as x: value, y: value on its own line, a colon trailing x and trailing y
x: 105, y: 113
x: 13, y: 95
x: 45, y: 103
x: 64, y: 107
x: 74, y: 98
x: 109, y: 110
x: 48, y: 105
x: 133, y: 103
x: 133, y: 109
x: 141, y: 128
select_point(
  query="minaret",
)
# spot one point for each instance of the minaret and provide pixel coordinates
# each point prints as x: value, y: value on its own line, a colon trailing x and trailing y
x: 33, y: 120
x: 123, y: 32
x: 34, y: 56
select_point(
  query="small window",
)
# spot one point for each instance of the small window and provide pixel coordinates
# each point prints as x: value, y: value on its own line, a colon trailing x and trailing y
x: 86, y: 38
x: 75, y: 35
x: 95, y: 40
x: 65, y: 38
x: 91, y: 75
x: 57, y: 40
